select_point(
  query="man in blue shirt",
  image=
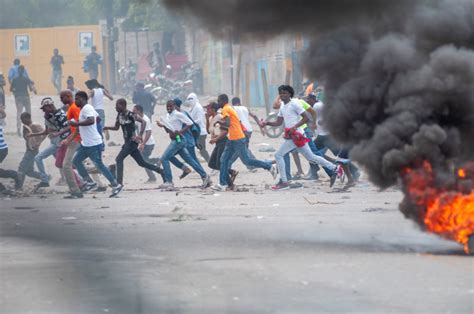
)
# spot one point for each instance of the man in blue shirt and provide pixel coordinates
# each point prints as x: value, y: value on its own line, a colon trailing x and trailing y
x: 13, y: 72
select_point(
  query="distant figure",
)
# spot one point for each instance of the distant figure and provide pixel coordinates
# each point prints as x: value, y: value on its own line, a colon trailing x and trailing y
x: 56, y: 61
x: 155, y: 59
x: 19, y: 87
x: 145, y: 99
x: 71, y: 87
x: 91, y: 64
x: 13, y: 72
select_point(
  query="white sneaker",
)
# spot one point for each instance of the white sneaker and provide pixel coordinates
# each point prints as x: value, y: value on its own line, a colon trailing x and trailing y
x: 166, y: 185
x: 219, y: 188
x: 274, y: 171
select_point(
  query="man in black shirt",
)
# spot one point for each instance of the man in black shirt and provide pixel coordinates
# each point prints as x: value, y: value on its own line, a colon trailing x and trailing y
x: 19, y: 87
x: 56, y: 62
x: 126, y: 120
x: 145, y: 99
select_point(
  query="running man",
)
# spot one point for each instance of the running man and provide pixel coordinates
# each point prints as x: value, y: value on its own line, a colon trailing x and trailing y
x: 176, y: 124
x: 196, y: 111
x: 294, y: 116
x: 148, y: 144
x: 236, y: 144
x: 91, y: 144
x: 72, y: 142
x: 126, y: 120
x: 57, y: 128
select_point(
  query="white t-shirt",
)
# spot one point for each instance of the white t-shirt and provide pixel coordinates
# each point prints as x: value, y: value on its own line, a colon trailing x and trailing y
x: 98, y: 99
x: 175, y: 120
x: 243, y: 114
x: 291, y: 113
x: 197, y: 114
x: 318, y: 107
x: 151, y: 140
x: 89, y: 134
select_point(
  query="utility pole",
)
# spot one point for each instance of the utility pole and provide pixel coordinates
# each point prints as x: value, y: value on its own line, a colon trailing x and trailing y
x: 109, y: 18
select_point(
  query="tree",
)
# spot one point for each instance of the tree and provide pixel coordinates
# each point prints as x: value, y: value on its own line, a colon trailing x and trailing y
x: 45, y: 13
x: 152, y: 15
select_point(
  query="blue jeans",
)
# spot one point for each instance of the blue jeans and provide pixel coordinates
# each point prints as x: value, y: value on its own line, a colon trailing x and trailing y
x: 95, y: 155
x: 180, y: 149
x: 45, y: 153
x: 240, y: 148
x: 234, y: 157
x: 101, y: 113
x: 312, y: 145
x: 324, y: 142
x: 178, y: 164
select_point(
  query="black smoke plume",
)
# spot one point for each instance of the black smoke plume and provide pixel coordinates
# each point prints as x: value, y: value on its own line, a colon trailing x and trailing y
x: 399, y: 75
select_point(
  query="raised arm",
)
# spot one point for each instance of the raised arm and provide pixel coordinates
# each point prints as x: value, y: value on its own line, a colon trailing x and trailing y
x: 107, y: 94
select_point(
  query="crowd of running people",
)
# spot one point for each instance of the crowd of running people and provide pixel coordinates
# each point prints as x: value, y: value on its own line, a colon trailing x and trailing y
x: 77, y: 131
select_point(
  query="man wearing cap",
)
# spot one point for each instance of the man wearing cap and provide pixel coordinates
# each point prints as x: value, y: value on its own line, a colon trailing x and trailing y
x: 145, y: 99
x: 57, y: 129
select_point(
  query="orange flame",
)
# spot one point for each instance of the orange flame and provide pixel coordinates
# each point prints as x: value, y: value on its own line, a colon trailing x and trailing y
x: 449, y: 214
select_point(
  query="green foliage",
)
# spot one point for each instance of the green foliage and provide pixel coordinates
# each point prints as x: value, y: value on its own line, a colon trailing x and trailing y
x: 45, y: 13
x: 48, y: 13
x: 151, y: 15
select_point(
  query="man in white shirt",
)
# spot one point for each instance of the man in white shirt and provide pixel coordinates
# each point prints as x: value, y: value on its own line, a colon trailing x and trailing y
x: 176, y: 124
x: 293, y: 114
x: 148, y: 144
x: 91, y: 144
x: 196, y: 111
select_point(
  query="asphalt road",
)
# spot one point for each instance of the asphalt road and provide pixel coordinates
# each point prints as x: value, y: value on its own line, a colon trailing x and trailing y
x: 158, y: 252
x: 312, y: 250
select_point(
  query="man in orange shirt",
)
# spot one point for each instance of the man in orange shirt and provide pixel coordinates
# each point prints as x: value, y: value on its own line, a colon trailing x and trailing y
x: 72, y: 143
x: 236, y: 144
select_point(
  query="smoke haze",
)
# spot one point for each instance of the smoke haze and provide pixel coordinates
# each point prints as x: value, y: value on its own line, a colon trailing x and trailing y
x: 398, y: 74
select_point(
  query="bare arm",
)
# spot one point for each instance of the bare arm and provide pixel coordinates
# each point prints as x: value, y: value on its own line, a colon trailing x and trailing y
x: 86, y: 122
x: 142, y: 125
x: 45, y: 132
x: 278, y: 122
x: 304, y: 120
x: 224, y: 126
x: 107, y: 94
x: 70, y: 138
x: 113, y: 128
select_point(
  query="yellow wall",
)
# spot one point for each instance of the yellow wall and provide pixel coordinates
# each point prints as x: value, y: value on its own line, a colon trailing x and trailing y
x: 42, y: 43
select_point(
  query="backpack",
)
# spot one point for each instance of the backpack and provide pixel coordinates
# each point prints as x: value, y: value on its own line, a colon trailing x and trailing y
x: 195, y: 129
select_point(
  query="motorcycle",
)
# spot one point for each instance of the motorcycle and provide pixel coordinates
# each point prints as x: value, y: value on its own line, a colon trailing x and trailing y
x: 127, y: 81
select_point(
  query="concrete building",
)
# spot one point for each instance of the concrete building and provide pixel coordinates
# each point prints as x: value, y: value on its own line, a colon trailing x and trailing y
x: 241, y: 67
x: 34, y: 47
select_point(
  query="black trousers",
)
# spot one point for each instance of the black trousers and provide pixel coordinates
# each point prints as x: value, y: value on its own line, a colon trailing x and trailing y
x: 131, y: 149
